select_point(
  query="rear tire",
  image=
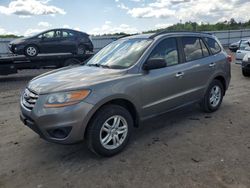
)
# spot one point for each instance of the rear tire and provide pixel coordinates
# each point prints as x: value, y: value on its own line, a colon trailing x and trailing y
x: 212, y: 100
x: 109, y: 131
x: 245, y: 73
x: 81, y: 50
x: 31, y: 51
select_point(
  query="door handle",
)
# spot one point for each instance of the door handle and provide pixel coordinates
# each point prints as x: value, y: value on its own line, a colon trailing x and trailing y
x: 179, y: 75
x: 212, y: 65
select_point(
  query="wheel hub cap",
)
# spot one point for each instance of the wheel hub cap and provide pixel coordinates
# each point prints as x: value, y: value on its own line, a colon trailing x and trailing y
x: 31, y: 51
x: 113, y: 132
x: 215, y: 96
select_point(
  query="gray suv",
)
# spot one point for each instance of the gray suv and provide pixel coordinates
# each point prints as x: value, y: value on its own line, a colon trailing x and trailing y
x: 127, y: 82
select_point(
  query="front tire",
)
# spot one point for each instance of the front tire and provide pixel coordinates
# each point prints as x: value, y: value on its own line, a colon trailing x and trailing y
x: 109, y: 131
x: 31, y: 51
x: 212, y: 100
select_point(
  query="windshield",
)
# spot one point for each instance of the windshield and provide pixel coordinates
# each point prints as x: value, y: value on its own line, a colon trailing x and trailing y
x: 120, y: 54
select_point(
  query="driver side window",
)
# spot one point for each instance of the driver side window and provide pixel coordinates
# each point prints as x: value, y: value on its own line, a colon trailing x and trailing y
x: 49, y: 34
x: 166, y: 49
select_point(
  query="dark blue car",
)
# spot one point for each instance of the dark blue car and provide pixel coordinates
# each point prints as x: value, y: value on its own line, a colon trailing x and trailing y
x: 53, y: 41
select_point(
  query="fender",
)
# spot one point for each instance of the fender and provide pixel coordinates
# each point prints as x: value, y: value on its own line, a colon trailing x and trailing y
x: 106, y: 100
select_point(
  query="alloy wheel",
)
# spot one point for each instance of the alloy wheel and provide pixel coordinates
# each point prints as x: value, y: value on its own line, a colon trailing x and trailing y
x: 215, y: 96
x: 31, y: 51
x: 113, y: 132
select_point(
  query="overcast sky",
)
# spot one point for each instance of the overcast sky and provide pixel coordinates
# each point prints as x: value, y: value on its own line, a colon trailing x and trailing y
x: 24, y: 17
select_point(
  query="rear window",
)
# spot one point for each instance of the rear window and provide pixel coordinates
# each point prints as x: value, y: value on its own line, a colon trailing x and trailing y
x: 213, y: 45
x: 192, y: 48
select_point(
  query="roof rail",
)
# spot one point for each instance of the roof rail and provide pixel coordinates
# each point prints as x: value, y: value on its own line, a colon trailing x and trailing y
x: 167, y: 31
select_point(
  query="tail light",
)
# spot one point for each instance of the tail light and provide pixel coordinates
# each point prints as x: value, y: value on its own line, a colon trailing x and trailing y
x: 229, y: 59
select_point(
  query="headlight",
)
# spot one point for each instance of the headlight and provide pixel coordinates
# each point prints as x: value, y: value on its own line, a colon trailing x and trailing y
x: 63, y: 99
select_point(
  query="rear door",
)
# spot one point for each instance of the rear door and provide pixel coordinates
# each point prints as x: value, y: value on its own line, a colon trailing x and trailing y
x: 198, y: 68
x: 69, y: 41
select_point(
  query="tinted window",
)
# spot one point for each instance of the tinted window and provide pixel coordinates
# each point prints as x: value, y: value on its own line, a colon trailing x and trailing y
x: 204, y: 49
x: 166, y: 49
x: 192, y: 48
x: 213, y: 45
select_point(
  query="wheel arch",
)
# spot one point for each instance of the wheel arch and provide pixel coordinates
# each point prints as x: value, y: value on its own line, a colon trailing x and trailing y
x: 32, y: 44
x: 124, y: 102
x: 223, y: 81
x: 219, y: 77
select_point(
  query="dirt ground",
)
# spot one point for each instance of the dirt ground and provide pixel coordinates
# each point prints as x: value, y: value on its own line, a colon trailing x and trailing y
x: 186, y: 148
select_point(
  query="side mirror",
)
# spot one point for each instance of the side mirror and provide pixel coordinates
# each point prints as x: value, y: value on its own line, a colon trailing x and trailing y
x: 154, y: 63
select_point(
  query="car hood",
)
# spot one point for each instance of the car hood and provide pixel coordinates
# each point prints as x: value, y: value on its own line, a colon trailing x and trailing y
x: 70, y: 78
x: 19, y: 40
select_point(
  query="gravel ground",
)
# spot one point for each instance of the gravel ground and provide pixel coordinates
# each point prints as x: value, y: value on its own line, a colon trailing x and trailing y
x: 186, y: 148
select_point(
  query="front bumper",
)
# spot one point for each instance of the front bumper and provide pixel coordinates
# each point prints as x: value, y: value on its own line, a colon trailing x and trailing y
x: 16, y: 49
x: 48, y: 122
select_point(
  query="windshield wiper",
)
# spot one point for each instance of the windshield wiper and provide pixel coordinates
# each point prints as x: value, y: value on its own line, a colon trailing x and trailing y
x: 105, y: 66
x: 98, y: 65
x: 93, y: 65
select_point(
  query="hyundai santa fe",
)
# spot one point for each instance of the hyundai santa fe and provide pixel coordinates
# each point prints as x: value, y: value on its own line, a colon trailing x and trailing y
x: 127, y: 82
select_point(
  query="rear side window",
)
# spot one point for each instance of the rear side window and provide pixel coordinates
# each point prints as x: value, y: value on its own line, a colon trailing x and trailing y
x: 67, y: 34
x: 166, y: 49
x: 213, y: 45
x: 192, y: 48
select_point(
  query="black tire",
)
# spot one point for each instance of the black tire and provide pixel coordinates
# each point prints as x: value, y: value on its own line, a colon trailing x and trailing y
x: 28, y: 51
x: 206, y: 104
x: 95, y: 126
x: 81, y: 50
x: 245, y: 73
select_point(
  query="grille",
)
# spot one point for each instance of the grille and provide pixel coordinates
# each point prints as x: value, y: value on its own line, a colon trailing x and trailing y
x: 29, y: 99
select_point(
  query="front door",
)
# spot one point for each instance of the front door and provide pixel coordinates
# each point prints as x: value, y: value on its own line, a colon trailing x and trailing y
x: 161, y: 87
x: 51, y: 42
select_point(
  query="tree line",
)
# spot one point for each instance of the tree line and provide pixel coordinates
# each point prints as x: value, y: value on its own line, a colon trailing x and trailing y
x: 232, y: 24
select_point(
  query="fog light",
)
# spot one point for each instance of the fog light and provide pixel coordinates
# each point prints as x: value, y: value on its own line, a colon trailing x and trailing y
x: 59, y: 133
